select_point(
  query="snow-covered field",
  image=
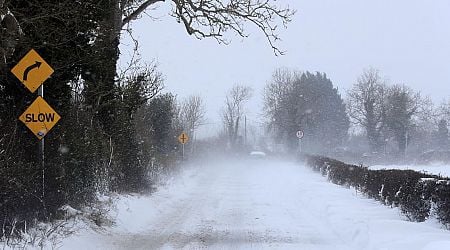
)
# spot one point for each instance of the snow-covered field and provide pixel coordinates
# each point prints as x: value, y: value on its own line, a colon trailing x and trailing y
x: 436, y: 169
x: 257, y: 205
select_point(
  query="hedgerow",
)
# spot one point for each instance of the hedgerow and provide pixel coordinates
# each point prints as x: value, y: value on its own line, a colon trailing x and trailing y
x: 418, y: 195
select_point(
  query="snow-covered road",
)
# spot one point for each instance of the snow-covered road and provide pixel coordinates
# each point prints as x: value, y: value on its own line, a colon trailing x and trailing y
x: 258, y: 204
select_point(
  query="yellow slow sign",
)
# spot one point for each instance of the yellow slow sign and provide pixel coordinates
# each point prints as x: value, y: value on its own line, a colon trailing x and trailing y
x: 39, y: 117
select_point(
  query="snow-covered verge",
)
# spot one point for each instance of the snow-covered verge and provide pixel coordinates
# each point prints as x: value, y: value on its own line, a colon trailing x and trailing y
x: 133, y: 214
x: 41, y: 236
x: 435, y: 169
x: 109, y: 212
x: 50, y: 235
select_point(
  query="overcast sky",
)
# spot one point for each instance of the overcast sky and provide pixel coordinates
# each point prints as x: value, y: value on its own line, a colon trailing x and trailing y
x: 407, y: 40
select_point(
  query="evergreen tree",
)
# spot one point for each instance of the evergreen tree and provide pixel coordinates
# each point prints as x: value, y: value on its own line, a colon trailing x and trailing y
x: 310, y: 103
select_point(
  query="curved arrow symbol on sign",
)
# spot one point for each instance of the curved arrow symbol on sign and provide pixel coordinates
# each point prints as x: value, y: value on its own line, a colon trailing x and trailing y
x: 30, y: 68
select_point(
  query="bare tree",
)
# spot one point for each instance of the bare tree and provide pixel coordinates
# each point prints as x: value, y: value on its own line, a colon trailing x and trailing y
x: 192, y: 115
x: 213, y: 18
x: 443, y: 111
x: 276, y: 93
x: 234, y: 110
x: 428, y: 115
x: 201, y: 18
x: 366, y: 106
x: 140, y: 85
x: 442, y: 135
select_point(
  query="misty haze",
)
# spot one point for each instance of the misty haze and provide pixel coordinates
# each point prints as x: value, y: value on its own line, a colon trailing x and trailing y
x: 225, y: 124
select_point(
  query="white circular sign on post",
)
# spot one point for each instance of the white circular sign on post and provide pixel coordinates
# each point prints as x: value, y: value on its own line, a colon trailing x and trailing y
x: 300, y: 134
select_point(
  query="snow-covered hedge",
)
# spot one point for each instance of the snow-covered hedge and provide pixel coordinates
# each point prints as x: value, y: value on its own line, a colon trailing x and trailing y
x: 418, y: 195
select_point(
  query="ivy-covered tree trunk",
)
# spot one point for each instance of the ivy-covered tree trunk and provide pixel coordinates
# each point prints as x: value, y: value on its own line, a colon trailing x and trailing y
x: 64, y: 34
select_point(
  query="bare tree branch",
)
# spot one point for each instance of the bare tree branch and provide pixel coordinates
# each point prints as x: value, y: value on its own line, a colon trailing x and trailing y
x: 192, y: 113
x: 213, y: 18
x: 135, y: 14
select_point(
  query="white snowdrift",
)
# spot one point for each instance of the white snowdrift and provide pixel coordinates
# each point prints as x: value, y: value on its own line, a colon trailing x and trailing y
x: 440, y: 169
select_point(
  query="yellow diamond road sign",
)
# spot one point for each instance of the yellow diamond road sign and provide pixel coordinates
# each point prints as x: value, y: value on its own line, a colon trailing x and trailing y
x: 39, y: 117
x: 32, y: 70
x: 183, y: 138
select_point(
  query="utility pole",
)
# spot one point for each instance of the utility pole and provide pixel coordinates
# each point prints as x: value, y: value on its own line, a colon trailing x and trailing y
x: 406, y: 143
x: 245, y: 130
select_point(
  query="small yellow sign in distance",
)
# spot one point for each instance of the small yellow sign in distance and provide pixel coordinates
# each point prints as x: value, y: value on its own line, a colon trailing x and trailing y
x: 183, y: 138
x: 39, y: 117
x: 32, y: 70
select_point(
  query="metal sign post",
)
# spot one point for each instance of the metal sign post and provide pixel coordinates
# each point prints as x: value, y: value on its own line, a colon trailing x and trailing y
x: 42, y: 148
x: 300, y: 135
x: 183, y: 153
x: 300, y: 145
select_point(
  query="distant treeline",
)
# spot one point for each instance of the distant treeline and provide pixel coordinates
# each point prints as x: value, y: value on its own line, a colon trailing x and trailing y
x: 375, y: 120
